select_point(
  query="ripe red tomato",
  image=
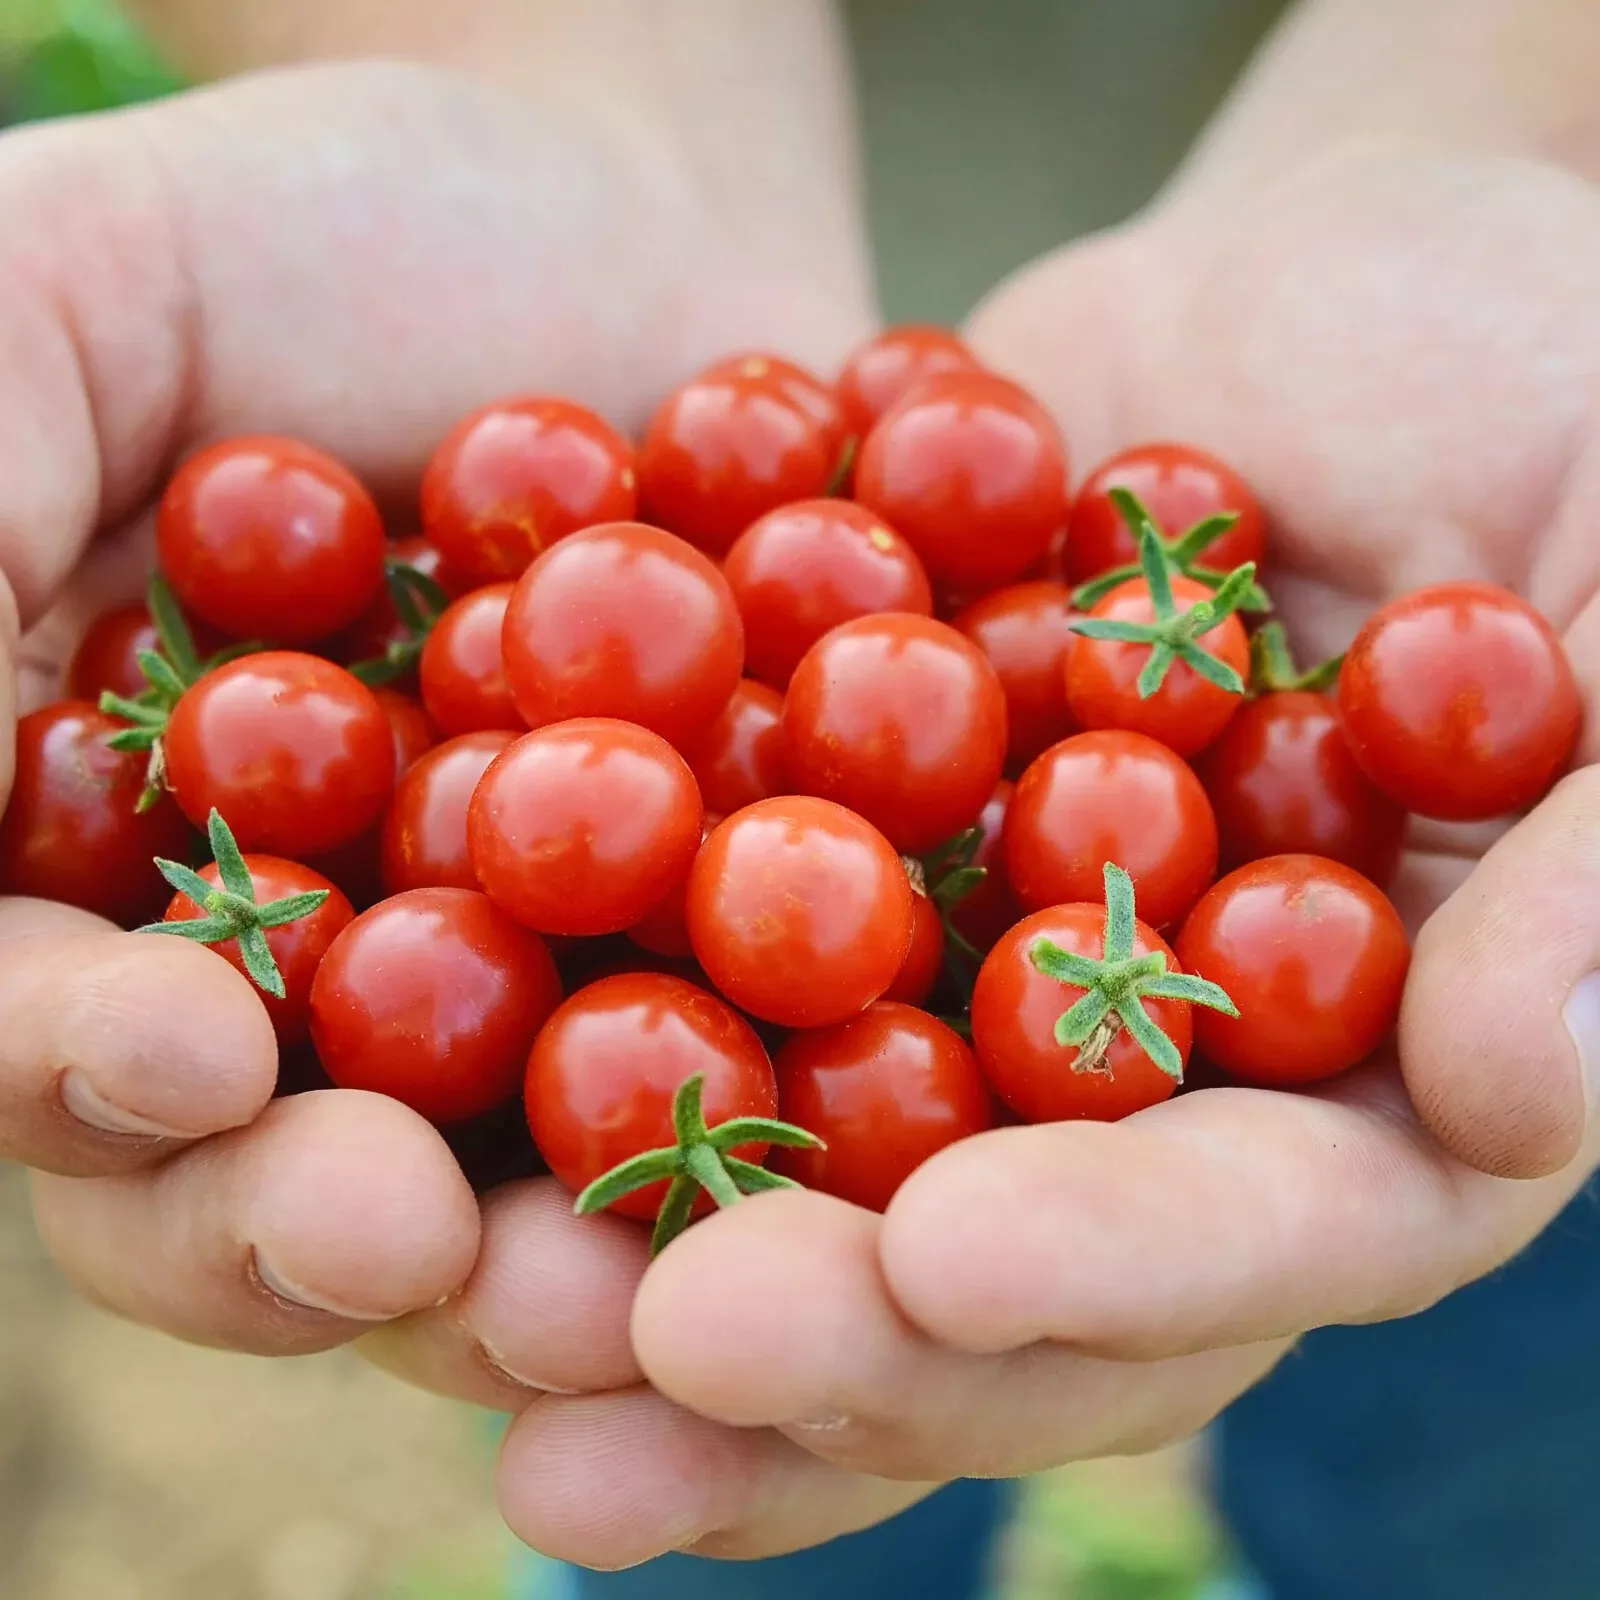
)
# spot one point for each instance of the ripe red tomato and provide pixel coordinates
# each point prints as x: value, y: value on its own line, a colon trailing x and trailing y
x: 1110, y: 796
x: 516, y: 476
x: 663, y: 930
x: 884, y: 1091
x: 70, y: 831
x: 434, y: 998
x: 1458, y: 702
x: 107, y: 657
x: 369, y: 637
x: 799, y: 911
x: 604, y: 1070
x: 1282, y: 781
x: 1179, y: 486
x: 425, y: 829
x: 292, y: 750
x: 919, y: 972
x: 268, y: 538
x: 970, y: 469
x: 988, y: 909
x: 739, y: 758
x: 582, y: 827
x: 901, y: 719
x: 879, y: 373
x: 463, y: 671
x: 803, y: 569
x: 413, y: 729
x: 803, y: 389
x: 1313, y: 956
x: 624, y: 621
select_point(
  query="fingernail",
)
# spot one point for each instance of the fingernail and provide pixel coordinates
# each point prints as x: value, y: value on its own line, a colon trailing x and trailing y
x: 286, y: 1289
x: 1581, y: 1014
x: 91, y: 1108
x: 498, y: 1365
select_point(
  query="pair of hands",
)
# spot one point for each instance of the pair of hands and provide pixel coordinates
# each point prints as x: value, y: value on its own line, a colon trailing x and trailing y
x: 1400, y: 350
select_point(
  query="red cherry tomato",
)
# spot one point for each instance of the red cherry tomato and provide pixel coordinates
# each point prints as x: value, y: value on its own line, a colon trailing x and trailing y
x: 292, y: 750
x: 380, y: 625
x: 433, y: 998
x: 971, y: 471
x: 884, y: 1091
x: 1458, y: 702
x: 901, y: 719
x: 268, y: 538
x: 1283, y: 782
x: 425, y: 829
x: 1110, y: 796
x: 662, y: 930
x: 107, y: 657
x: 70, y: 831
x: 516, y: 476
x: 1014, y: 1012
x: 624, y: 621
x: 986, y: 911
x: 803, y: 389
x: 919, y: 973
x: 803, y: 569
x: 1179, y: 486
x: 463, y: 671
x: 1313, y: 956
x: 799, y: 911
x: 739, y: 758
x: 413, y: 729
x: 582, y: 827
x: 879, y: 373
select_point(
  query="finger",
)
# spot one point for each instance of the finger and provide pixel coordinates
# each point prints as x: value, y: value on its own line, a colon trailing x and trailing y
x: 333, y: 1211
x: 546, y: 1307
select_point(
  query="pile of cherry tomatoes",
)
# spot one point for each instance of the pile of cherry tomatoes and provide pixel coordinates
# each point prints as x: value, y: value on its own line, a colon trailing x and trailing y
x: 816, y: 779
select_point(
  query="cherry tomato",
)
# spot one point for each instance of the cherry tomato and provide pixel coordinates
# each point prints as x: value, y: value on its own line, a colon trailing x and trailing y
x: 70, y: 831
x: 1111, y: 796
x: 879, y: 373
x: 268, y: 538
x: 804, y: 389
x: 516, y: 476
x: 1282, y: 781
x: 1014, y: 1012
x: 919, y: 973
x: 463, y: 671
x: 803, y: 569
x: 799, y: 911
x: 662, y: 930
x: 433, y: 998
x: 1179, y: 486
x: 901, y: 719
x: 605, y: 1068
x: 380, y: 625
x: 582, y: 827
x: 425, y: 830
x: 1313, y: 956
x: 739, y: 758
x: 971, y: 470
x: 1458, y: 702
x: 413, y: 729
x: 107, y: 657
x: 987, y: 910
x: 624, y: 621
x: 292, y: 750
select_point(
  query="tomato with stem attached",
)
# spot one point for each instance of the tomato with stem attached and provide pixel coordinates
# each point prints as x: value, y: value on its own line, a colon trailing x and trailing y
x: 739, y: 758
x: 107, y: 657
x: 424, y: 840
x: 880, y: 373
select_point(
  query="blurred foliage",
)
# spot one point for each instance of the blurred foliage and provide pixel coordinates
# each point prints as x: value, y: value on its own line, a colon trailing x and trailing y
x: 60, y: 57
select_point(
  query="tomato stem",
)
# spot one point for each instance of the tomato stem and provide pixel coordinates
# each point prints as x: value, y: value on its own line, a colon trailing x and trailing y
x: 1273, y: 669
x: 419, y: 602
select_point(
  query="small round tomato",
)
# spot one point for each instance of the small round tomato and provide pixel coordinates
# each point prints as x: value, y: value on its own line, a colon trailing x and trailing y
x: 1458, y: 702
x: 985, y: 912
x: 268, y: 538
x: 799, y: 911
x: 1025, y: 630
x: 663, y: 930
x: 107, y: 657
x: 516, y: 476
x: 1015, y: 1008
x: 369, y: 637
x: 1111, y: 796
x: 292, y: 750
x: 884, y: 1091
x: 919, y: 972
x: 1313, y: 956
x: 463, y: 671
x: 582, y: 827
x: 1179, y: 486
x: 878, y: 374
x: 804, y: 389
x: 624, y: 621
x: 70, y: 831
x: 433, y: 998
x: 901, y: 719
x: 1283, y: 782
x: 739, y: 758
x: 413, y: 729
x: 425, y: 829
x: 803, y: 569
x: 970, y: 469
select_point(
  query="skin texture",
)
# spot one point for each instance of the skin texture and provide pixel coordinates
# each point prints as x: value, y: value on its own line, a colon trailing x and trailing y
x: 739, y: 758
x: 425, y: 828
x: 881, y: 371
x: 462, y: 674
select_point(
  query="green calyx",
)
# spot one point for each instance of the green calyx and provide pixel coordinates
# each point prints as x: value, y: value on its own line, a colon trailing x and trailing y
x: 231, y: 912
x: 699, y: 1159
x: 418, y: 602
x: 946, y: 875
x: 1273, y: 669
x: 1116, y: 987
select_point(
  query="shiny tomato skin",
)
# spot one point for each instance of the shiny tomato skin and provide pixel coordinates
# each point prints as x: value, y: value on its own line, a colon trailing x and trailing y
x: 739, y: 758
x: 901, y: 719
x: 70, y: 832
x: 884, y: 1091
x: 603, y: 1072
x: 295, y: 753
x: 799, y: 911
x: 971, y: 471
x: 919, y: 972
x: 580, y: 828
x: 1014, y: 1012
x: 623, y: 620
x: 804, y: 389
x: 434, y: 998
x: 370, y: 635
x: 880, y: 373
x: 425, y: 828
x: 415, y: 732
x: 269, y: 538
x: 1313, y: 956
x: 463, y: 673
x: 512, y: 478
x: 1111, y: 796
x: 805, y: 568
x: 986, y: 911
x: 107, y: 657
x: 1458, y: 702
x: 1282, y: 781
x: 1179, y: 486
